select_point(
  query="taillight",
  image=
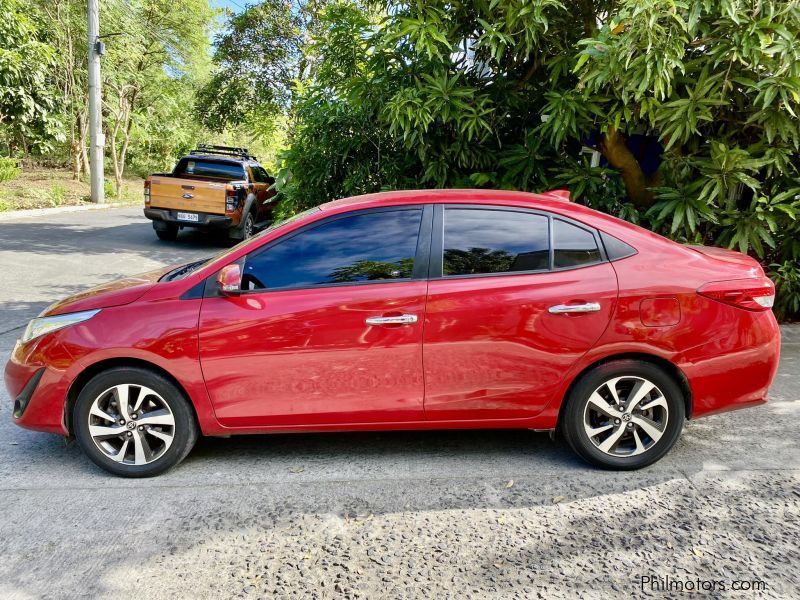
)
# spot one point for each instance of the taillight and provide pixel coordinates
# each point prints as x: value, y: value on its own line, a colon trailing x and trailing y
x: 231, y: 199
x: 147, y: 192
x: 757, y: 293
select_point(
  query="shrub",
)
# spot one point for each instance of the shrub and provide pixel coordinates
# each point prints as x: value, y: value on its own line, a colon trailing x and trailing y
x: 9, y: 168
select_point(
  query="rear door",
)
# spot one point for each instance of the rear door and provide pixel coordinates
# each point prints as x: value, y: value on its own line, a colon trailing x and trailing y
x: 509, y: 311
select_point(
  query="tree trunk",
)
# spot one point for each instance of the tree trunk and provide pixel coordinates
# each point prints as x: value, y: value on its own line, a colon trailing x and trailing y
x: 616, y: 152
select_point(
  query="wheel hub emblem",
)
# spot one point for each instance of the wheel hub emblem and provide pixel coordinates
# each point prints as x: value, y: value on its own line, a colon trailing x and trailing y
x: 131, y: 425
x: 626, y: 417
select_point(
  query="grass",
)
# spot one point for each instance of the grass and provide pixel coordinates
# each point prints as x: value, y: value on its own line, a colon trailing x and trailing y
x: 41, y: 187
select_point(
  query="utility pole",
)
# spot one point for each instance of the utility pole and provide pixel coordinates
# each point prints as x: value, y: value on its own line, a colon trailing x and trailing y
x: 97, y: 139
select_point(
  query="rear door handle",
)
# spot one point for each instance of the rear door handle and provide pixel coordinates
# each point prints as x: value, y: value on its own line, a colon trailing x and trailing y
x: 562, y: 309
x: 394, y: 320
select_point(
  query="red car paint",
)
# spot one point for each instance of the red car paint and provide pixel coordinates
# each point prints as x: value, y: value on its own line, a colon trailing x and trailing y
x: 486, y: 352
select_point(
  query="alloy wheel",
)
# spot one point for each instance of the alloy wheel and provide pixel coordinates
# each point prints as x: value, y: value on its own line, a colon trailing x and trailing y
x: 625, y: 416
x: 131, y: 424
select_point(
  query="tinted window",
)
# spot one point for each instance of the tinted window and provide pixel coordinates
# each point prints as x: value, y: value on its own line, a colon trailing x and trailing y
x: 573, y: 246
x: 260, y: 175
x: 493, y: 241
x: 192, y: 167
x: 616, y: 249
x: 368, y: 247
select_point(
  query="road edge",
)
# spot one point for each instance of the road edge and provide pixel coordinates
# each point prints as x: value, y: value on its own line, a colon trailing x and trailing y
x: 27, y: 213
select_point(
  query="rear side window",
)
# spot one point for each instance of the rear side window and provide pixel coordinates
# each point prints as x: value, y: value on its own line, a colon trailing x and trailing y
x: 573, y: 246
x: 616, y: 248
x: 376, y: 246
x: 494, y: 241
x: 190, y: 167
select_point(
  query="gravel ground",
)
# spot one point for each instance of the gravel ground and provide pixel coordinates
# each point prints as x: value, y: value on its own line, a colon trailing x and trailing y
x: 492, y: 514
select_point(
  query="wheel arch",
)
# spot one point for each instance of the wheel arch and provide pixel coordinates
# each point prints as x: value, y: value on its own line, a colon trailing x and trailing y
x: 95, y: 369
x: 670, y: 368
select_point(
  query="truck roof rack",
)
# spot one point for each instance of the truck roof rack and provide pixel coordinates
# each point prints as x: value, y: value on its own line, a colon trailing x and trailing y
x: 223, y: 151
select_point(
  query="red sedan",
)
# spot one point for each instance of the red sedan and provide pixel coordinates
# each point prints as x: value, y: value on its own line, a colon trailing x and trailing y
x: 408, y: 310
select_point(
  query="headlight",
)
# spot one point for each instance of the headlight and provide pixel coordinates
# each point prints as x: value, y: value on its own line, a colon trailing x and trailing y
x: 41, y: 325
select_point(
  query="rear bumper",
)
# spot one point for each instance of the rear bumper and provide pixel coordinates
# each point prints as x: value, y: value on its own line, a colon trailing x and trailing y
x: 736, y: 368
x: 204, y: 220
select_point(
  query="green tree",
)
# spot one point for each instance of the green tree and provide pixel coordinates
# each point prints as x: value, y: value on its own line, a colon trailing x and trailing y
x: 160, y: 58
x: 27, y: 122
x: 515, y: 93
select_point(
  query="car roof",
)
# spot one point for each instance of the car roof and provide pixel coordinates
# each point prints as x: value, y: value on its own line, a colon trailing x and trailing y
x: 500, y: 197
x: 554, y: 201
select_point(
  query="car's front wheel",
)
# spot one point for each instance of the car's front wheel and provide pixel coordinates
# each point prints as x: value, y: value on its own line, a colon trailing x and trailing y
x: 624, y: 415
x: 133, y: 422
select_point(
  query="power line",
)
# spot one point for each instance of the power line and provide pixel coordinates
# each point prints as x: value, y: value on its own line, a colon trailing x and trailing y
x: 237, y: 4
x: 154, y: 35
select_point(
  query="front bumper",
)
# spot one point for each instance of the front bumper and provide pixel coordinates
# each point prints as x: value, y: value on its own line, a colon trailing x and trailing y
x: 35, y: 377
x: 167, y: 216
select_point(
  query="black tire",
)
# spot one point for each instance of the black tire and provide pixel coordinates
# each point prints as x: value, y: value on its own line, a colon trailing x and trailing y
x: 247, y: 229
x: 577, y: 418
x: 184, y: 432
x: 170, y: 234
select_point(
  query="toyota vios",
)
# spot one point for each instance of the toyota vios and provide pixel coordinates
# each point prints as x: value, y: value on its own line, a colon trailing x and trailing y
x: 408, y: 310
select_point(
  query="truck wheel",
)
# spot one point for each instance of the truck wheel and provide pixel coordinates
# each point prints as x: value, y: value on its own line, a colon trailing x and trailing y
x: 247, y: 229
x: 170, y: 234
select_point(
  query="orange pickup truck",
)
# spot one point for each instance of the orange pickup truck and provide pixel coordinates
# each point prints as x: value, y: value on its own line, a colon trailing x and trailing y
x: 213, y: 187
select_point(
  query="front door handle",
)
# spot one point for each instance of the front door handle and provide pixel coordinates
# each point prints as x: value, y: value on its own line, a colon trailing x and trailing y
x: 394, y: 320
x: 562, y: 309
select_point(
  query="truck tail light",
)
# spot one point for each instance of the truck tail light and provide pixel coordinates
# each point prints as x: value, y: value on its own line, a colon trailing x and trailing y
x: 756, y: 294
x: 147, y: 192
x: 231, y: 199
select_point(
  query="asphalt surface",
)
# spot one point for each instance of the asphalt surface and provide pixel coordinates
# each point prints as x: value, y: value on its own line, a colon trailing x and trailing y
x: 398, y: 515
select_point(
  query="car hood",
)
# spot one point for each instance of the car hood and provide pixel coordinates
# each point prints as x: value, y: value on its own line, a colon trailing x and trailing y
x: 113, y: 293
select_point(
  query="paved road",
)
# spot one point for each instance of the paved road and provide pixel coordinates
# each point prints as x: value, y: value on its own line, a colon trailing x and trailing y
x: 433, y: 514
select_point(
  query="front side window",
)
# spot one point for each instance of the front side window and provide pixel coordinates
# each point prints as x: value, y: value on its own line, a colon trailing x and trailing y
x: 376, y: 246
x: 260, y: 175
x: 573, y: 246
x: 478, y: 241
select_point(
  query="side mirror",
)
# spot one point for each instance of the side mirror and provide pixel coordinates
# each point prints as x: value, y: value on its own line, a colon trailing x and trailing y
x: 229, y: 279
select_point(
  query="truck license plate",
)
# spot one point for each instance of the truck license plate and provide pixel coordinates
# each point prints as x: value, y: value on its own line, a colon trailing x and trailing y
x: 182, y: 216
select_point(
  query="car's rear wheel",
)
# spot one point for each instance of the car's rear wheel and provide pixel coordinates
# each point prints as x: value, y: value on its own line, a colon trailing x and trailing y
x: 624, y: 415
x: 133, y: 422
x: 169, y: 234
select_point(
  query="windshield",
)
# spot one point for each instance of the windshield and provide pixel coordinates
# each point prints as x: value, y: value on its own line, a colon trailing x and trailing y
x: 184, y: 270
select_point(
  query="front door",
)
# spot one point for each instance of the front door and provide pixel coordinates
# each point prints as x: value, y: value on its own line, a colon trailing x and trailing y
x: 328, y: 328
x: 509, y: 312
x: 264, y: 196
